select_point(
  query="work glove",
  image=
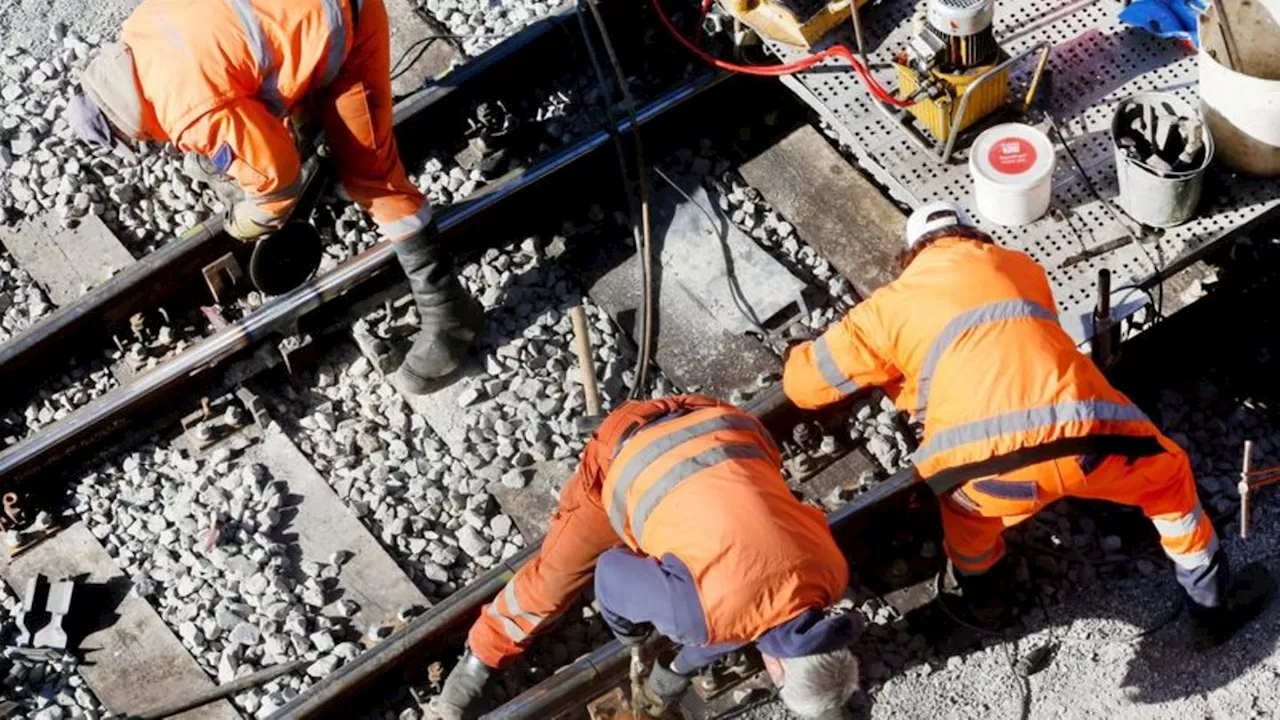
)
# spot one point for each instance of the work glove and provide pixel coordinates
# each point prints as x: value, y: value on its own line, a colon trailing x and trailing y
x: 664, y: 687
x: 462, y: 688
x: 238, y: 224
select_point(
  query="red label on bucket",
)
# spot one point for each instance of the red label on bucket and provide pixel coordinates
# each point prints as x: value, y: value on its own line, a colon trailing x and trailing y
x: 1012, y: 155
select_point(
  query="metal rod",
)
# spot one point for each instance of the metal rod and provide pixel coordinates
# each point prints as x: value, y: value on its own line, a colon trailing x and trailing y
x: 321, y: 699
x: 582, y: 342
x: 117, y: 408
x: 572, y: 686
x: 1041, y: 64
x: 1243, y: 488
x: 1102, y: 321
x: 222, y: 691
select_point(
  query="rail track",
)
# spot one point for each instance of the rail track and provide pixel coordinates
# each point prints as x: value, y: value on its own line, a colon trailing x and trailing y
x: 246, y: 354
x: 238, y: 354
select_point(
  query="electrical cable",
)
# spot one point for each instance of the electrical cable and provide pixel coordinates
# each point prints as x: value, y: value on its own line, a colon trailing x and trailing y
x: 633, y: 212
x: 425, y: 44
x: 646, y: 248
x: 835, y: 51
x: 739, y: 299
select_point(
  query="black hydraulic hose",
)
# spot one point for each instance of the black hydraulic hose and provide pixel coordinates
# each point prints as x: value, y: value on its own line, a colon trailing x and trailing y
x: 648, y: 307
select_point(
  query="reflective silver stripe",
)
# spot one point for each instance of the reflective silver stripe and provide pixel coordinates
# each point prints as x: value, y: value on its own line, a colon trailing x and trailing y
x: 979, y: 559
x: 993, y: 312
x: 515, y: 611
x: 1199, y: 558
x: 249, y: 210
x: 512, y: 630
x: 681, y: 472
x: 829, y: 370
x: 337, y: 39
x: 405, y: 227
x: 268, y: 91
x: 1183, y: 525
x: 639, y: 462
x: 284, y: 193
x: 1025, y: 420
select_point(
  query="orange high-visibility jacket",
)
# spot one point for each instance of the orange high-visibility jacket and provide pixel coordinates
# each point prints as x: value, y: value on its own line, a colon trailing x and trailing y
x: 219, y: 78
x: 704, y: 485
x: 970, y: 331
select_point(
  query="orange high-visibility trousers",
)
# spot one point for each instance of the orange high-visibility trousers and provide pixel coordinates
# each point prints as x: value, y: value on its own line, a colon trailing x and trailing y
x: 356, y: 113
x: 975, y: 515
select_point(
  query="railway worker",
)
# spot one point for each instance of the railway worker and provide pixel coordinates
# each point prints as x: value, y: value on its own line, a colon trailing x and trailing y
x: 679, y: 508
x: 1014, y: 417
x: 221, y: 78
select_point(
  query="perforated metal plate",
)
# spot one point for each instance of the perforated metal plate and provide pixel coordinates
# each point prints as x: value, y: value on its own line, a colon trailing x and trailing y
x: 1095, y: 63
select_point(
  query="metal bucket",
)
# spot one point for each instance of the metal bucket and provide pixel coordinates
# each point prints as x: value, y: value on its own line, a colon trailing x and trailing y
x: 1150, y: 196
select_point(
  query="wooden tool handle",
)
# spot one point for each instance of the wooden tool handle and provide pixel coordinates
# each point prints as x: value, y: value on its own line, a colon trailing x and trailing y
x: 582, y: 343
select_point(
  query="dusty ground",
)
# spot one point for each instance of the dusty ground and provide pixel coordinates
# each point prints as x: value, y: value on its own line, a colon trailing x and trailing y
x: 26, y: 23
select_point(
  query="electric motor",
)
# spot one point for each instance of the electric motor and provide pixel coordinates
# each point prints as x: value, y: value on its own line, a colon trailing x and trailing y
x: 964, y: 28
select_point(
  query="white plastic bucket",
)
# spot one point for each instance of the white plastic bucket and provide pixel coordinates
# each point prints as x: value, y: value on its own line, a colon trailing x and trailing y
x: 1243, y: 110
x: 1012, y: 169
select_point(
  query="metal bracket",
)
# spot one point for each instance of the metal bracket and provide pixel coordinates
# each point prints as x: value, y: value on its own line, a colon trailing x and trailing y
x: 57, y: 603
x: 53, y: 635
x: 222, y: 276
x: 298, y: 352
x: 613, y: 705
x: 253, y: 403
x: 14, y: 514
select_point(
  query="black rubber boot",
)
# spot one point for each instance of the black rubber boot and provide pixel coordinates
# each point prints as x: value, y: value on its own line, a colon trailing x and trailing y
x: 1247, y: 594
x: 986, y: 595
x: 451, y: 319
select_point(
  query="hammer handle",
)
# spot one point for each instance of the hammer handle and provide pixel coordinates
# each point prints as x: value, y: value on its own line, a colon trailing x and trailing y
x: 582, y: 343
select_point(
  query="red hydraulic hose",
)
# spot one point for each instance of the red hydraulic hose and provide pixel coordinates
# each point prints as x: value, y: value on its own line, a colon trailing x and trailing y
x: 877, y: 91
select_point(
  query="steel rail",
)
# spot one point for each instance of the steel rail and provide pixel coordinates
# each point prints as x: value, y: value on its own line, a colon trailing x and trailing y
x: 573, y: 686
x: 169, y: 270
x: 129, y: 403
x: 428, y: 630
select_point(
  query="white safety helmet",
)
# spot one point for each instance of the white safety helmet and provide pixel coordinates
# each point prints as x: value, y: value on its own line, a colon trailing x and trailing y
x: 934, y: 217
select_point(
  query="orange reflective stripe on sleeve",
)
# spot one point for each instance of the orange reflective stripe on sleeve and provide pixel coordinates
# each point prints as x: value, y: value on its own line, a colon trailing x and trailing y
x: 829, y: 369
x: 965, y: 321
x: 638, y: 463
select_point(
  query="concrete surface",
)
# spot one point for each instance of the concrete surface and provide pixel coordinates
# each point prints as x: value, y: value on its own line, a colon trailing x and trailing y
x: 319, y: 524
x: 66, y: 262
x: 806, y: 180
x: 133, y: 661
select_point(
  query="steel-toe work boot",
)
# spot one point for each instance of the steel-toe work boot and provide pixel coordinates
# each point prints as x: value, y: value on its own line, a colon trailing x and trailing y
x: 1248, y: 592
x: 450, y: 318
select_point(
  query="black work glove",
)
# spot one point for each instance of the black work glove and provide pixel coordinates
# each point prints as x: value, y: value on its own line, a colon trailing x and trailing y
x: 664, y: 687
